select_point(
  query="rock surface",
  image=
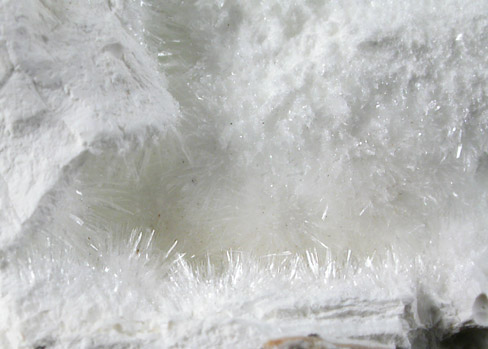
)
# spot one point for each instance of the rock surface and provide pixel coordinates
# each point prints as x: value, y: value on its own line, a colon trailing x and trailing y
x: 219, y: 173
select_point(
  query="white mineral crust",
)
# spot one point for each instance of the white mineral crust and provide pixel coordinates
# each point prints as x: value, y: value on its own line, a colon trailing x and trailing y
x: 72, y: 81
x: 223, y: 173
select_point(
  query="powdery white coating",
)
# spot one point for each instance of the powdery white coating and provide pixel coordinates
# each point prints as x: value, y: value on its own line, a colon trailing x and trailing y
x: 66, y: 91
x: 326, y: 172
x: 327, y: 121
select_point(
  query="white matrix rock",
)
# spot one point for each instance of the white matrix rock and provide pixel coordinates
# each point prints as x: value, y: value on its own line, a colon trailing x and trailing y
x: 221, y: 173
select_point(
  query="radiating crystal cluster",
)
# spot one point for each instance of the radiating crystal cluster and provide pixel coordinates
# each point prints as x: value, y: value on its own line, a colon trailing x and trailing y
x: 221, y: 173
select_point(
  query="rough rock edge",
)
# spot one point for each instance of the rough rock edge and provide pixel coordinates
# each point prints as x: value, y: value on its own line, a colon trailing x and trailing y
x: 50, y: 107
